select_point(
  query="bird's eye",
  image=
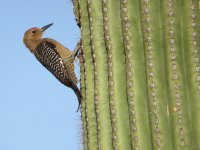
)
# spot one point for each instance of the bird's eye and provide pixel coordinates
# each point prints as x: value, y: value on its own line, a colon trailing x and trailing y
x: 33, y: 31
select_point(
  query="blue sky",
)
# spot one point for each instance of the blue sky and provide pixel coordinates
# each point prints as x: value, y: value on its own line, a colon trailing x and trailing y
x: 36, y: 111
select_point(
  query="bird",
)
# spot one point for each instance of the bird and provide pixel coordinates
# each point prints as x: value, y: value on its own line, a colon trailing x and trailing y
x: 56, y: 58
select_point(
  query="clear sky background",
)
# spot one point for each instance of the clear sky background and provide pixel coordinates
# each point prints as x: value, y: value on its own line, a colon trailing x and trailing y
x: 37, y: 112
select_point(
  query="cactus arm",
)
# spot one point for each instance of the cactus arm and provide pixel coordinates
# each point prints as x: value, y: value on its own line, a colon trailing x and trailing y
x: 89, y: 109
x: 117, y: 75
x: 155, y: 72
x: 136, y: 75
x: 176, y: 77
x: 140, y: 74
x: 192, y: 63
x: 83, y: 104
x: 99, y: 55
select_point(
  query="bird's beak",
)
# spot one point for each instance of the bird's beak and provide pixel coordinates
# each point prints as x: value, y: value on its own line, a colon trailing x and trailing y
x: 46, y: 27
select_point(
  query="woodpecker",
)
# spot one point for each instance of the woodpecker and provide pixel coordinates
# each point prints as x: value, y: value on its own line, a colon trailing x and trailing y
x: 54, y: 57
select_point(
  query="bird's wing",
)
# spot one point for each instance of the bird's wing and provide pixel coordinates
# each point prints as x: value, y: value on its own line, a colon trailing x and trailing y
x: 48, y: 56
x: 67, y: 58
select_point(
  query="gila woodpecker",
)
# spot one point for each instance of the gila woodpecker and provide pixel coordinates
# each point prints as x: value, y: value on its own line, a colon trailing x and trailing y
x: 54, y: 57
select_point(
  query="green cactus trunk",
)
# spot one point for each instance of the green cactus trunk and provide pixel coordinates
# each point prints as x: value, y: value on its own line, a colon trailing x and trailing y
x: 140, y: 74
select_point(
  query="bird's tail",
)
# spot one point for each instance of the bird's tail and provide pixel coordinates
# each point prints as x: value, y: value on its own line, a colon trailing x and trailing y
x: 78, y: 94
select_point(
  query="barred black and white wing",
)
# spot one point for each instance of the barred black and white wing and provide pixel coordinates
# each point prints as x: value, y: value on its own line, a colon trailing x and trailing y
x: 48, y: 56
x: 63, y: 70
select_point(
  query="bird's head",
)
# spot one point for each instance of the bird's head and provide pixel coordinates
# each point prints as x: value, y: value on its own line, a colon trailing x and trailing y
x: 33, y: 36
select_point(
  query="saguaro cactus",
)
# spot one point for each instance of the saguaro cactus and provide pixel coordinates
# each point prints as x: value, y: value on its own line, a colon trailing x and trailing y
x: 140, y: 74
